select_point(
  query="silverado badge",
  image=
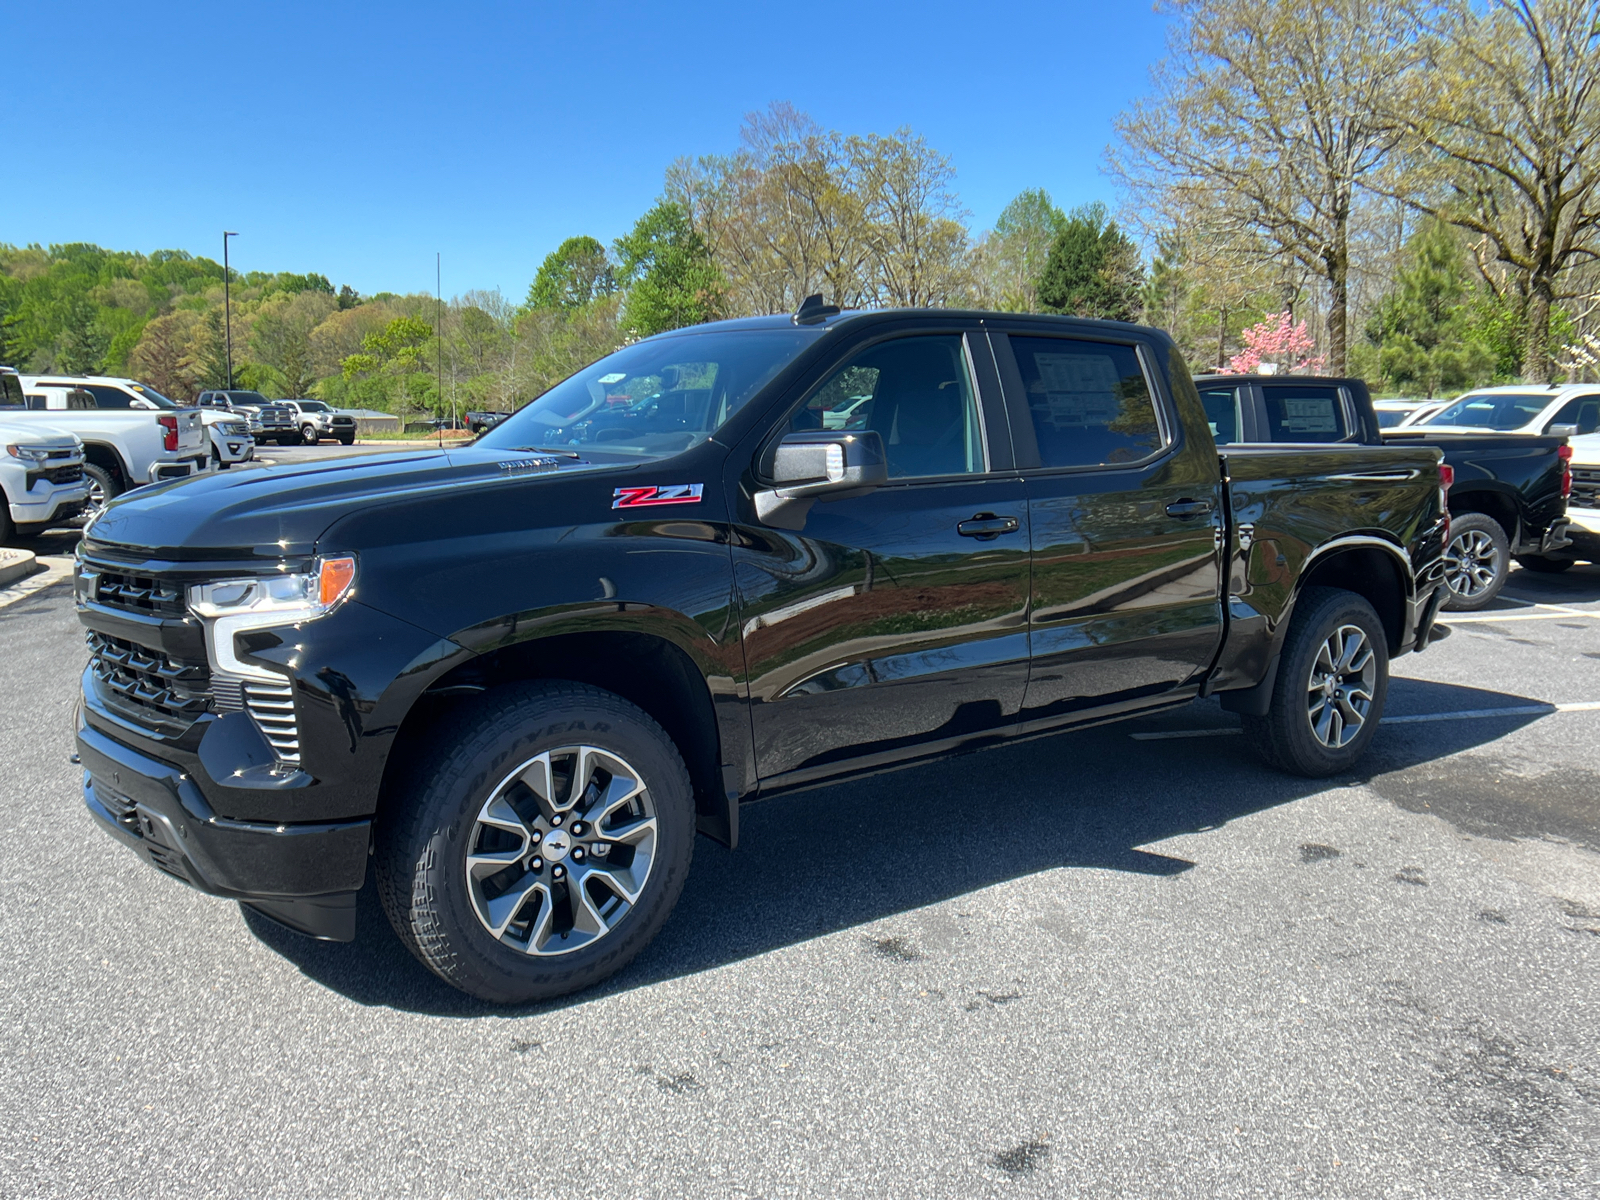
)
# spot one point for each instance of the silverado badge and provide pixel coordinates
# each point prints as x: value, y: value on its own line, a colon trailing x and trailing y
x: 665, y: 493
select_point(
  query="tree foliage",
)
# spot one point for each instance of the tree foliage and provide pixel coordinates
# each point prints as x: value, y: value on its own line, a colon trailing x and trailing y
x: 1093, y: 269
x: 573, y: 275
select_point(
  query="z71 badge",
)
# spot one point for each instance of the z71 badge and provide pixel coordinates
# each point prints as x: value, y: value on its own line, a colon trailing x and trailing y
x: 647, y: 497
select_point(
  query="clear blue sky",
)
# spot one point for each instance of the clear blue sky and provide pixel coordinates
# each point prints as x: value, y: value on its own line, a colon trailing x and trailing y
x: 356, y: 140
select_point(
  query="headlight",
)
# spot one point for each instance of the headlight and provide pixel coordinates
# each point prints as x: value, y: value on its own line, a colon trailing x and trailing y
x: 33, y: 454
x: 233, y: 606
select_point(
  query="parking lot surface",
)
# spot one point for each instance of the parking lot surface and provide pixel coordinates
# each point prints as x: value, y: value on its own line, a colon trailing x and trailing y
x: 1129, y: 961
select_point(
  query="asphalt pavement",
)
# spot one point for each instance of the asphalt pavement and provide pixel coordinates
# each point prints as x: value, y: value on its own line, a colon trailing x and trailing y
x: 1127, y: 962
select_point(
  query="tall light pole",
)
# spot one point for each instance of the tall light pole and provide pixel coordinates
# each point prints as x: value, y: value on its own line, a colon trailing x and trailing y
x: 227, y: 306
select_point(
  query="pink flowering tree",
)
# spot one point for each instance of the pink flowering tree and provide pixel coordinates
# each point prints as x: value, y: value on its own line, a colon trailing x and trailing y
x: 1281, y: 343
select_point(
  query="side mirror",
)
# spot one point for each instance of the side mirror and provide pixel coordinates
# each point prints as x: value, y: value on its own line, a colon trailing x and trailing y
x: 807, y: 467
x: 1565, y: 431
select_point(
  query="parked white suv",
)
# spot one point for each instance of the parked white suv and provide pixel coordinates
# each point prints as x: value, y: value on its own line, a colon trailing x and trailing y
x: 41, y: 471
x: 1583, y: 507
x: 1521, y: 408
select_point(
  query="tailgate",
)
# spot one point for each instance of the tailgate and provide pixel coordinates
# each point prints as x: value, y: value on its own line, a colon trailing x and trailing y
x: 191, y: 429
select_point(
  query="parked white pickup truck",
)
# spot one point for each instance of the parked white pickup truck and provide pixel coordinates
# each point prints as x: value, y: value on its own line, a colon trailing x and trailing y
x: 230, y: 433
x: 41, y: 472
x: 122, y: 448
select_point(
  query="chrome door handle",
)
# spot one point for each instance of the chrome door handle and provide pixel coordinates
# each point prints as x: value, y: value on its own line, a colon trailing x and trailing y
x: 1189, y: 508
x: 986, y: 525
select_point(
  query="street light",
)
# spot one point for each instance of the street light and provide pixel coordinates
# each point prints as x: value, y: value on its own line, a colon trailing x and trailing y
x: 227, y: 306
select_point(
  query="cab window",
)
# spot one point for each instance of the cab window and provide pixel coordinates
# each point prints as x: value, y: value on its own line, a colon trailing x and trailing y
x: 1582, y: 411
x: 916, y: 392
x: 1089, y: 401
x: 1305, y: 413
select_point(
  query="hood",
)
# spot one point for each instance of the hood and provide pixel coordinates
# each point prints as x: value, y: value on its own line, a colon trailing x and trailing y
x: 29, y: 434
x: 281, y: 511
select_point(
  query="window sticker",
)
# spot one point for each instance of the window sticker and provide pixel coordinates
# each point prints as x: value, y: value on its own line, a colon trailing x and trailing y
x: 1079, y: 389
x: 1309, y: 416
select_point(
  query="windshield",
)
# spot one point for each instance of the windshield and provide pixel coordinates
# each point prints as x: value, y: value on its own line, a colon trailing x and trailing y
x: 1388, y: 418
x: 247, y: 398
x: 11, y: 392
x: 655, y: 397
x: 312, y: 406
x: 1494, y: 410
x: 150, y: 394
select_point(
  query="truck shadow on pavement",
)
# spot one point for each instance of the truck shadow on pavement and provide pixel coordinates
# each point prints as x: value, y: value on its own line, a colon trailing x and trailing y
x: 821, y: 861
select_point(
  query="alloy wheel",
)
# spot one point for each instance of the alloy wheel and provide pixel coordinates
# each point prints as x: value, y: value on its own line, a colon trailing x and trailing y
x: 561, y: 850
x: 1471, y: 563
x: 1339, y: 692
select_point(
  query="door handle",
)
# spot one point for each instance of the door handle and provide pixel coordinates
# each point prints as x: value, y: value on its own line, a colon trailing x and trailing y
x: 986, y: 525
x: 1189, y: 508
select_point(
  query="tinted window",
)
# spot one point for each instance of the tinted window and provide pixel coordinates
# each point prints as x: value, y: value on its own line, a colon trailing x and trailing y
x: 245, y: 397
x: 917, y: 394
x: 1297, y: 413
x: 150, y: 394
x: 1501, y: 410
x: 1222, y: 413
x: 1089, y: 402
x: 1583, y: 411
x: 11, y: 392
x: 1388, y: 418
x: 106, y: 396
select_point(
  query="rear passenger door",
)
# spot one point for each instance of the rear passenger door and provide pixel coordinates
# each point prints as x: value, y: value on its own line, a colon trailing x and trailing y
x: 1124, y: 512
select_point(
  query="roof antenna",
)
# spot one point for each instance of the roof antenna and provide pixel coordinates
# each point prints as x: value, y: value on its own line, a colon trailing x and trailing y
x: 813, y: 311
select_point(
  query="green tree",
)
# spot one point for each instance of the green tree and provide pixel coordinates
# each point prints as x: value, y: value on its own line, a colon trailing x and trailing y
x: 573, y: 275
x: 394, y: 366
x: 1423, y: 329
x: 1093, y: 269
x: 1010, y: 260
x: 670, y: 278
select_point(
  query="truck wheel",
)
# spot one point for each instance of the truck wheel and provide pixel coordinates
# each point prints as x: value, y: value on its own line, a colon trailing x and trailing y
x: 1544, y: 564
x: 1476, y: 562
x: 347, y: 439
x: 1333, y: 675
x: 309, y: 435
x: 542, y: 847
x: 289, y: 440
x: 102, y: 488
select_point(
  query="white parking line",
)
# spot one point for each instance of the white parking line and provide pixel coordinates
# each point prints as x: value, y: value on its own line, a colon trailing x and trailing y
x: 1470, y: 714
x: 1555, y: 614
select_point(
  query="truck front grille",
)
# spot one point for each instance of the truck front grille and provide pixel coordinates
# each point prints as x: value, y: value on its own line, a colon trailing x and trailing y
x: 147, y: 685
x: 141, y: 594
x: 1585, y: 488
x: 69, y: 474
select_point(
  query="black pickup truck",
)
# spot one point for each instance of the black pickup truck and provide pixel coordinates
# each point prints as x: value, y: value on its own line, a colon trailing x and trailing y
x: 1508, y: 491
x: 721, y: 563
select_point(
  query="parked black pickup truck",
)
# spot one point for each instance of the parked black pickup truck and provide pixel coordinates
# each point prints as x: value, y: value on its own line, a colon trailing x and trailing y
x: 721, y: 563
x: 1508, y: 495
x: 482, y: 422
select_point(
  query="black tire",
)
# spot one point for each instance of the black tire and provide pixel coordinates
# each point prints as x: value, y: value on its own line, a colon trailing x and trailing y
x: 292, y: 439
x: 423, y: 843
x: 1477, y: 561
x: 1286, y: 737
x: 347, y: 439
x: 107, y: 485
x: 309, y: 435
x: 8, y: 528
x: 1544, y: 565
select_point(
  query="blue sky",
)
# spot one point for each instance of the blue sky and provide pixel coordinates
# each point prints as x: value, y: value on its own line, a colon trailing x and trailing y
x: 356, y: 140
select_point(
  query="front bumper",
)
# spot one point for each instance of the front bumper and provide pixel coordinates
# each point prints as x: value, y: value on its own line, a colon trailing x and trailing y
x: 303, y: 875
x: 46, y: 508
x: 1583, y: 532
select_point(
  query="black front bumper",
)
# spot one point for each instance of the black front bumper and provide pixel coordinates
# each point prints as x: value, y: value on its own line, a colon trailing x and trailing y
x: 303, y: 875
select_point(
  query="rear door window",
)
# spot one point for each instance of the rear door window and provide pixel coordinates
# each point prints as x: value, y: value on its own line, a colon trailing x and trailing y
x: 108, y: 397
x: 1305, y: 413
x: 1582, y: 411
x: 1089, y: 402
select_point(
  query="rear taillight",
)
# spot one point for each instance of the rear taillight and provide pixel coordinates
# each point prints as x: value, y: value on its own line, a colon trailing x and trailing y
x: 169, y: 440
x: 1447, y: 476
x: 1564, y: 453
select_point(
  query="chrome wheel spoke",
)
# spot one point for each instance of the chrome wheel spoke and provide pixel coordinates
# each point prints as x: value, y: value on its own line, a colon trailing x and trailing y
x: 1340, y: 686
x: 540, y: 829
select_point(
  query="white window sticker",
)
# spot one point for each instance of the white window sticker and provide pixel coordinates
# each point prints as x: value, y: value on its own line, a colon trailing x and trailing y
x: 614, y: 377
x: 1079, y: 389
x: 1309, y: 416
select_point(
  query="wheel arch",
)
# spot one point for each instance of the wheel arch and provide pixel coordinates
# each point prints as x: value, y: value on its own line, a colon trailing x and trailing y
x: 109, y: 458
x: 1373, y: 568
x: 1498, y: 504
x: 643, y: 666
